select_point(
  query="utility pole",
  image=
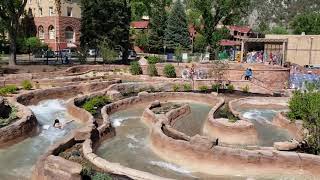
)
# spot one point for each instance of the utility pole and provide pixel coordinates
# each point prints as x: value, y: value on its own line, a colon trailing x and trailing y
x: 310, y: 52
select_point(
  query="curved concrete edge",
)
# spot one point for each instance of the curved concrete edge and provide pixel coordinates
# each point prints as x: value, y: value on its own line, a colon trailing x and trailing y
x: 294, y: 128
x: 257, y: 102
x: 115, y: 168
x: 241, y: 132
x: 142, y: 98
x: 88, y: 132
x: 22, y: 127
x: 35, y: 96
x: 224, y: 160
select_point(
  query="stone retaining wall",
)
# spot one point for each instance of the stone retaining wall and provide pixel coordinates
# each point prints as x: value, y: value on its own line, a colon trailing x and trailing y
x: 257, y: 102
x: 294, y: 128
x: 33, y: 97
x: 199, y: 155
x: 196, y: 153
x: 143, y: 98
x: 241, y: 132
x: 25, y: 125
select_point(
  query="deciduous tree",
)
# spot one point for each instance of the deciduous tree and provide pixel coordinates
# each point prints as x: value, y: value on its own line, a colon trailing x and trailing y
x: 307, y: 22
x: 106, y: 20
x: 219, y: 11
x: 10, y: 13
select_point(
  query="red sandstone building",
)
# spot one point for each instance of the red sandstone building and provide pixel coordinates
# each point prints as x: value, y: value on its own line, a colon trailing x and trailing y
x: 57, y: 22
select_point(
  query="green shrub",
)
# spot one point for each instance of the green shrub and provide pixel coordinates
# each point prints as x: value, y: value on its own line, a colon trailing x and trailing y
x: 246, y: 89
x: 169, y: 71
x: 296, y: 106
x: 203, y: 88
x: 187, y: 87
x: 216, y: 87
x: 176, y: 88
x: 230, y: 88
x: 94, y: 103
x: 135, y: 68
x: 10, y: 89
x: 154, y: 60
x: 152, y: 70
x: 101, y: 176
x: 224, y: 112
x: 87, y: 170
x: 26, y: 85
x: 13, y: 116
x: 305, y: 106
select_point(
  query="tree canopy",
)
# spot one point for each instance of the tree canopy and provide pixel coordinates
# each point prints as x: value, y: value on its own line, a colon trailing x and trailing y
x: 10, y: 13
x: 219, y: 11
x: 158, y: 20
x: 307, y: 22
x: 177, y: 33
x: 106, y: 21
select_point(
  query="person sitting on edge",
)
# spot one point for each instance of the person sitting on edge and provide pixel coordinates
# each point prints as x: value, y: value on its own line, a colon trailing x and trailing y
x: 248, y: 74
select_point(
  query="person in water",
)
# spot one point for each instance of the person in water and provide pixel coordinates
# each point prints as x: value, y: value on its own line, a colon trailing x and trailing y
x: 57, y: 124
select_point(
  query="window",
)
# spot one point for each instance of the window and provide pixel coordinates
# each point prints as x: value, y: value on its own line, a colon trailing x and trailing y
x: 41, y: 32
x: 69, y: 35
x: 30, y: 1
x: 50, y: 11
x: 69, y: 11
x: 52, y: 32
x: 40, y: 12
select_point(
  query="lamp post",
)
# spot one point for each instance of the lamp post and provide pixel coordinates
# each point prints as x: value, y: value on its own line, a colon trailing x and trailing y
x: 164, y: 52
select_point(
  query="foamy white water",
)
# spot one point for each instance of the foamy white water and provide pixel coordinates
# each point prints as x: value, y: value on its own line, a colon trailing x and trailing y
x: 170, y: 166
x: 116, y: 122
x: 17, y: 160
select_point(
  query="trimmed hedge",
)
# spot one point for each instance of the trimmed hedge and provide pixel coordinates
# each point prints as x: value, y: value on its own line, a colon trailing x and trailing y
x: 95, y: 103
x: 169, y: 71
x: 135, y: 68
x: 152, y: 70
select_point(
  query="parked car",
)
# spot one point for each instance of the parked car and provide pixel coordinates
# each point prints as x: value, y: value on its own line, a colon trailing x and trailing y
x: 69, y: 52
x: 44, y: 54
x: 132, y: 55
x: 92, y: 52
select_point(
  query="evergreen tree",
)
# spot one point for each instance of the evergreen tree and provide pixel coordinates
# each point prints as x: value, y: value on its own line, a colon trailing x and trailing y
x: 157, y: 25
x: 177, y: 34
x: 106, y: 21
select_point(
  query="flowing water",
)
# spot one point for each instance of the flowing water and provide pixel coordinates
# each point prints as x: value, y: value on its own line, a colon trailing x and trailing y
x: 192, y: 124
x: 130, y: 145
x: 16, y: 161
x: 262, y: 119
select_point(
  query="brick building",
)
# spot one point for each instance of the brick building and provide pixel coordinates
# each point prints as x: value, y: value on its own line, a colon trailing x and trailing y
x: 57, y: 22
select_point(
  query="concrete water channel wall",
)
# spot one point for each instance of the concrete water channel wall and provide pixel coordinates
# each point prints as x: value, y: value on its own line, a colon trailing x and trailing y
x: 195, y: 152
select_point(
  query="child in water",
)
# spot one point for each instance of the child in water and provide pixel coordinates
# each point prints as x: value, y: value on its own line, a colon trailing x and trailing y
x: 59, y: 125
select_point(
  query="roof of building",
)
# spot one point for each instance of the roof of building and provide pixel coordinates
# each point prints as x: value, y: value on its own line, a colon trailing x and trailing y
x: 242, y: 29
x: 225, y: 42
x: 266, y: 40
x: 140, y: 24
